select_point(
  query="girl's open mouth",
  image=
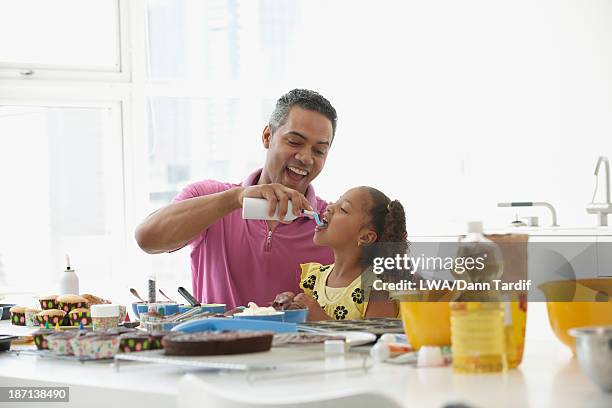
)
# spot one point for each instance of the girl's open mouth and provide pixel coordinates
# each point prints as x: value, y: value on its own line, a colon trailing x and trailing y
x: 323, y: 227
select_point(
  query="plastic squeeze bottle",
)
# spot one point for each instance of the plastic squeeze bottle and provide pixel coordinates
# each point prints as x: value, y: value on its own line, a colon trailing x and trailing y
x: 69, y: 281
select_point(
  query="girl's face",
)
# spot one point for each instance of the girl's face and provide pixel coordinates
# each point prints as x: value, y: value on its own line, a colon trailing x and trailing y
x: 348, y: 221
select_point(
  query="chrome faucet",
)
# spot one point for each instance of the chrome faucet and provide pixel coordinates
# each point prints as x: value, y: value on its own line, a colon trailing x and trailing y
x: 601, y: 209
x: 534, y: 204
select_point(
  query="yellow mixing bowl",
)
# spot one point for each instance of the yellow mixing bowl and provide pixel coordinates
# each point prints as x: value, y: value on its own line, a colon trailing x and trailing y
x: 426, y: 317
x: 592, y: 305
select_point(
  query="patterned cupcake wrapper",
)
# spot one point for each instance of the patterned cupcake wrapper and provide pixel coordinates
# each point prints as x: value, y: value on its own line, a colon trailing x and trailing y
x: 67, y: 307
x: 77, y: 318
x: 18, y: 319
x: 41, y: 342
x: 60, y: 346
x: 130, y: 345
x: 95, y: 347
x: 48, y: 304
x: 105, y: 322
x: 53, y: 320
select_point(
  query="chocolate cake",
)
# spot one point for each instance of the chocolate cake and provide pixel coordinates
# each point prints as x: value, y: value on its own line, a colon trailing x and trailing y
x: 216, y: 343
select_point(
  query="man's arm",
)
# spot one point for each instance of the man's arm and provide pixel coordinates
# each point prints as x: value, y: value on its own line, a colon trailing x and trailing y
x: 173, y: 226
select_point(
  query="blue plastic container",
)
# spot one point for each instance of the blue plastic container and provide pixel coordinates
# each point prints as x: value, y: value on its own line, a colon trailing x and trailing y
x: 276, y: 317
x: 295, y: 316
x: 162, y: 308
x: 221, y: 324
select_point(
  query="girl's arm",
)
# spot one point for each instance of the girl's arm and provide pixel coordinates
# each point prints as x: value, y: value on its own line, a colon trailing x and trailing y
x: 379, y: 305
x: 315, y: 311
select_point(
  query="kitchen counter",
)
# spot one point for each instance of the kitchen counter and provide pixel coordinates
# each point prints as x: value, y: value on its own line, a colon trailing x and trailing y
x: 548, y: 377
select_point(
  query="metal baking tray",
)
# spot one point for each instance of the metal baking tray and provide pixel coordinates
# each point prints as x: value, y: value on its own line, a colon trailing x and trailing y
x: 51, y: 355
x: 376, y: 326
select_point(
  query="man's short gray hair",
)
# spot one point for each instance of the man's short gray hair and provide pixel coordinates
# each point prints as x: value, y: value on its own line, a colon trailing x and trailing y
x: 305, y: 99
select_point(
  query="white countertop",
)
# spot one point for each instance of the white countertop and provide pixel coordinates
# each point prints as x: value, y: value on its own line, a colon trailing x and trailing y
x: 548, y: 377
x: 544, y: 231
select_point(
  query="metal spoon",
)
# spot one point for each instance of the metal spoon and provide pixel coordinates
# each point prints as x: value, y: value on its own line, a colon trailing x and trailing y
x: 135, y: 293
x: 166, y: 296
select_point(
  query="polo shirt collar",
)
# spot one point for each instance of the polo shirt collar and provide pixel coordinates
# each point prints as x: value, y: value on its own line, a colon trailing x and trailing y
x: 253, y: 178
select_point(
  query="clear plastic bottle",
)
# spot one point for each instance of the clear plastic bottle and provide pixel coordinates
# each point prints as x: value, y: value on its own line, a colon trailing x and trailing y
x: 477, y: 317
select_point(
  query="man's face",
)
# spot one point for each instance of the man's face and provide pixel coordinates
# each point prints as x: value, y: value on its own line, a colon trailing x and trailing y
x: 297, y: 150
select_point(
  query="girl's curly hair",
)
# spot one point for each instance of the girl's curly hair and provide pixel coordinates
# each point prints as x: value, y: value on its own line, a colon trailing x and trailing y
x: 389, y: 222
x: 388, y: 218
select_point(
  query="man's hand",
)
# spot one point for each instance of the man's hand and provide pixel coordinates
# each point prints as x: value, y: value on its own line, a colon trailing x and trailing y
x: 278, y: 196
x: 315, y: 311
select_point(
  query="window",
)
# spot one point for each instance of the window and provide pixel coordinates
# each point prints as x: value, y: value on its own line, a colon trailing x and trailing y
x: 42, y: 38
x: 62, y: 189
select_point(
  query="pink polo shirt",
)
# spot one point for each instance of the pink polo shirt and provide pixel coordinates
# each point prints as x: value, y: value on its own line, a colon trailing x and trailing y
x: 236, y: 261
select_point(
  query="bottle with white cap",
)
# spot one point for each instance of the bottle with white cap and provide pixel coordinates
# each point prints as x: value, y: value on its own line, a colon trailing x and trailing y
x: 69, y: 281
x: 257, y: 209
x: 477, y: 314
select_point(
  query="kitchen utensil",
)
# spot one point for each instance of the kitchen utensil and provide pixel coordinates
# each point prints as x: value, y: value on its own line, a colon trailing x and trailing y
x: 166, y: 296
x: 188, y: 296
x: 135, y: 293
x: 594, y: 351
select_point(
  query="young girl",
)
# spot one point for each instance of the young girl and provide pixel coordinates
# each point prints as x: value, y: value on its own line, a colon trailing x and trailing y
x: 342, y: 290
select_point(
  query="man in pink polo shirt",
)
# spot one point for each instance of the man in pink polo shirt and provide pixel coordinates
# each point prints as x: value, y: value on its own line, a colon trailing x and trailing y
x: 235, y: 261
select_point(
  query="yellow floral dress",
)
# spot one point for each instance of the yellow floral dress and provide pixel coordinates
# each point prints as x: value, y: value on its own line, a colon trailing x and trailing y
x: 348, y: 303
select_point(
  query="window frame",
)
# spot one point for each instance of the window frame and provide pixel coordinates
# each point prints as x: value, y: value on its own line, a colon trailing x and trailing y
x: 43, y: 72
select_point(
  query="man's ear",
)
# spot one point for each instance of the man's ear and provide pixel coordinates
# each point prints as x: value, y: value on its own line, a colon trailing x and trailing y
x: 266, y: 136
x: 367, y: 237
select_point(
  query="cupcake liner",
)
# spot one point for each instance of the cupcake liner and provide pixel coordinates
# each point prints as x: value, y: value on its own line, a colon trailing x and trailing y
x: 59, y: 344
x: 18, y: 319
x: 40, y: 339
x: 75, y: 319
x: 96, y: 347
x: 105, y: 322
x: 140, y: 342
x: 68, y: 306
x: 52, y: 320
x: 46, y: 304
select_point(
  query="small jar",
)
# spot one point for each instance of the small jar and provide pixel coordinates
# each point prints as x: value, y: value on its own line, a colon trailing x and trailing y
x: 105, y: 316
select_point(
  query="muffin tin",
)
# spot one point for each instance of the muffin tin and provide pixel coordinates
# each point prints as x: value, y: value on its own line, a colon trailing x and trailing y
x: 377, y: 326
